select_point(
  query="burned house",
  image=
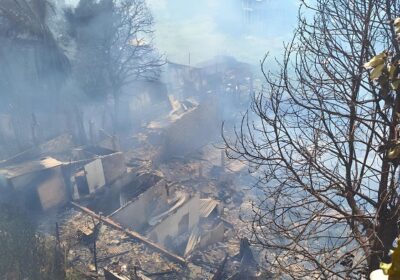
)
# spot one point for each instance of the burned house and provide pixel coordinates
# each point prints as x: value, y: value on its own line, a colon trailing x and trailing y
x: 38, y: 185
x: 153, y: 223
x: 94, y: 168
x: 184, y: 81
x: 175, y: 222
x: 48, y: 182
x: 233, y: 81
x: 220, y: 75
x: 171, y: 217
x: 194, y: 129
x: 187, y: 128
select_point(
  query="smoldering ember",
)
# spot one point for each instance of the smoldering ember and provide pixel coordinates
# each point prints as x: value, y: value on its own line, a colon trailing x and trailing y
x: 204, y: 139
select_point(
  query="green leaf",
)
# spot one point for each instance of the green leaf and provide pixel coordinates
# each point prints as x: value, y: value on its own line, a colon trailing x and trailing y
x: 393, y: 269
x: 376, y: 60
x: 391, y: 70
x: 385, y: 267
x: 395, y: 84
x: 377, y: 72
x: 394, y: 153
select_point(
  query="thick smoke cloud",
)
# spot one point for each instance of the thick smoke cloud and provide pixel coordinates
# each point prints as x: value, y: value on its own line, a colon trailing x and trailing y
x: 207, y: 28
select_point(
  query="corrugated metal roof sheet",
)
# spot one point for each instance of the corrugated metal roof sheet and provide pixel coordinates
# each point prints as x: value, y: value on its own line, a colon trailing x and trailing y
x: 194, y: 240
x: 207, y: 205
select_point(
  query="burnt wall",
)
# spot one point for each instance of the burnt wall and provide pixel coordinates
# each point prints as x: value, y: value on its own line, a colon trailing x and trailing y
x: 192, y: 131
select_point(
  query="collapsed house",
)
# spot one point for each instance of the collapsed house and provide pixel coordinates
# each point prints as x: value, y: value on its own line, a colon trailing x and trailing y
x: 104, y: 168
x: 188, y: 127
x: 184, y: 81
x: 150, y: 226
x: 119, y: 256
x: 171, y: 217
x: 222, y: 76
x: 97, y: 177
x: 200, y: 97
x: 38, y: 185
x: 49, y: 182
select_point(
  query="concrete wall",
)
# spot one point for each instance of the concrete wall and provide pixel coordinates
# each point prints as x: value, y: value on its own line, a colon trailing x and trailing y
x: 136, y: 213
x: 133, y: 214
x: 113, y: 166
x: 213, y: 235
x: 192, y: 131
x: 170, y: 225
x: 53, y: 192
x: 49, y: 185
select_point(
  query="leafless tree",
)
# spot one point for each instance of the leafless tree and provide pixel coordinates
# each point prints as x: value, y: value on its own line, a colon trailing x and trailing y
x: 320, y: 137
x: 115, y: 43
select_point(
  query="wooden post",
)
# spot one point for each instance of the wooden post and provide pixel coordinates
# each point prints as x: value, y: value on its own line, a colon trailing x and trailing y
x: 91, y: 132
x: 223, y: 159
x: 57, y: 234
x: 34, y: 125
x: 95, y: 254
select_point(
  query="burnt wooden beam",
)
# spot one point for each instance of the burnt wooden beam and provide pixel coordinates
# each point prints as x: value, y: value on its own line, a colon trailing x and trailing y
x: 133, y: 234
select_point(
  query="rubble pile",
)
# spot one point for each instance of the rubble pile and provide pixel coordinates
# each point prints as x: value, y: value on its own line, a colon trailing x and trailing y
x: 116, y: 251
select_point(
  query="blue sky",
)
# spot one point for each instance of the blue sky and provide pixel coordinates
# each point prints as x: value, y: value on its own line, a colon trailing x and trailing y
x: 206, y: 28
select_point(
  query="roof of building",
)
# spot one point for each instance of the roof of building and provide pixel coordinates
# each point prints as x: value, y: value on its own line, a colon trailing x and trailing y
x: 182, y: 66
x: 29, y: 167
x: 180, y: 109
